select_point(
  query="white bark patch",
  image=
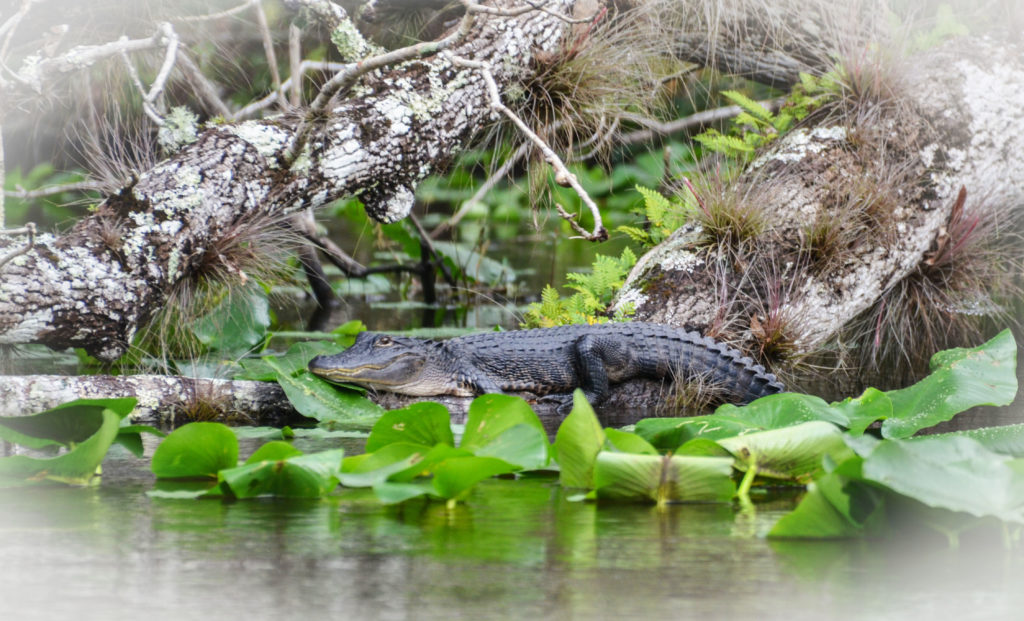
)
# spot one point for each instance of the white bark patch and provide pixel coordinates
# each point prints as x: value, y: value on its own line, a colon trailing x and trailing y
x: 267, y: 139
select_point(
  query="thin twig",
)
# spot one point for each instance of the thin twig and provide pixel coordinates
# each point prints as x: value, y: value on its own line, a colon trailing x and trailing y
x: 563, y: 176
x: 482, y: 191
x: 78, y: 186
x: 429, y: 245
x: 219, y: 15
x: 699, y: 119
x: 30, y: 230
x: 295, y: 64
x: 268, y: 49
x: 270, y: 99
x: 203, y: 87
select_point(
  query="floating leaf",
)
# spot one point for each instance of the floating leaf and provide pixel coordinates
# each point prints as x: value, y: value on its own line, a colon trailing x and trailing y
x: 960, y: 379
x: 278, y: 469
x: 1005, y: 439
x: 523, y: 446
x: 66, y: 424
x: 955, y: 473
x: 771, y: 412
x: 333, y: 407
x: 873, y: 405
x: 75, y: 467
x: 577, y: 443
x: 196, y: 450
x: 453, y: 478
x: 491, y: 415
x: 420, y: 423
x: 625, y: 476
x: 833, y: 508
x: 291, y: 362
x: 626, y: 442
x: 794, y: 452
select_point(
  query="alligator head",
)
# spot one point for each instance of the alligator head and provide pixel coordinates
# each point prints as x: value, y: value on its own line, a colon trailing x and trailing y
x: 380, y: 361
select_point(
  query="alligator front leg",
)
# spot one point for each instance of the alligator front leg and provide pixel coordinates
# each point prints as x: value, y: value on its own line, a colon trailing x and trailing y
x: 591, y: 355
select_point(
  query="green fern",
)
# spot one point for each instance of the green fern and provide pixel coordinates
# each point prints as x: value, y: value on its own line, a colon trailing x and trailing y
x: 662, y: 216
x: 594, y: 293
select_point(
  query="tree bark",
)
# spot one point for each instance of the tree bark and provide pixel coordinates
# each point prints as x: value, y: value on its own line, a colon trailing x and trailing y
x: 95, y: 286
x: 956, y: 125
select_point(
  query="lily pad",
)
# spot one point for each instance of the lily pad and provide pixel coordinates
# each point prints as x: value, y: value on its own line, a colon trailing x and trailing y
x: 196, y: 450
x: 333, y: 407
x: 278, y: 469
x: 578, y: 441
x: 794, y: 452
x: 625, y: 476
x: 420, y: 423
x: 960, y: 379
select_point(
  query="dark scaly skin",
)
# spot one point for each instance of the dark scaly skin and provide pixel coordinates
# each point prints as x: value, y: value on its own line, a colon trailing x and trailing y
x: 545, y: 361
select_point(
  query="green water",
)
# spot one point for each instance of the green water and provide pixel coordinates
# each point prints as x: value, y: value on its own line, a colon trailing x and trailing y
x: 516, y: 549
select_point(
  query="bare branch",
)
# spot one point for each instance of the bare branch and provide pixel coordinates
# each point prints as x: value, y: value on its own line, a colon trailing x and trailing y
x: 693, y: 121
x: 268, y: 49
x: 50, y: 190
x: 295, y: 64
x: 563, y: 176
x: 30, y: 230
x: 215, y: 16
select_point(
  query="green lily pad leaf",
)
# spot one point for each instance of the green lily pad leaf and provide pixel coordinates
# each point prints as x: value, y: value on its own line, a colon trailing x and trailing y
x: 789, y: 453
x: 833, y: 508
x: 578, y: 441
x: 1004, y: 439
x: 702, y: 447
x: 196, y: 450
x: 278, y: 469
x: 275, y: 450
x: 523, y: 446
x: 873, y: 405
x: 76, y: 467
x: 394, y: 493
x: 130, y: 437
x: 491, y: 415
x: 399, y: 462
x: 626, y: 442
x: 288, y: 433
x: 420, y: 423
x: 291, y: 362
x: 960, y: 379
x: 955, y: 473
x: 770, y: 412
x: 333, y: 407
x: 236, y: 325
x: 66, y: 424
x: 625, y: 476
x: 453, y: 478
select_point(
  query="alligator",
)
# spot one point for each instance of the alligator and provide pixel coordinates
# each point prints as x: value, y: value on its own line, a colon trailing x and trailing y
x: 545, y: 361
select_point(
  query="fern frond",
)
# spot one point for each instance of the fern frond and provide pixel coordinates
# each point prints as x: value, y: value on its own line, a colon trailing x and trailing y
x: 749, y: 105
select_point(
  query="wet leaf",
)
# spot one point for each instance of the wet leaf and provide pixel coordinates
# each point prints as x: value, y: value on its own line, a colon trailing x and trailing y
x: 334, y: 407
x: 420, y: 423
x: 523, y: 446
x: 833, y: 508
x: 75, y: 467
x: 491, y: 415
x: 771, y: 412
x: 794, y: 452
x: 578, y: 441
x: 291, y: 362
x: 626, y: 442
x: 1005, y: 439
x: 955, y: 473
x: 278, y: 469
x: 625, y: 476
x: 453, y: 478
x: 960, y: 379
x: 66, y: 424
x: 196, y: 450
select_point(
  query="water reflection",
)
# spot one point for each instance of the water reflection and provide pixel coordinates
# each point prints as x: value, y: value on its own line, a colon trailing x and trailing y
x: 515, y: 550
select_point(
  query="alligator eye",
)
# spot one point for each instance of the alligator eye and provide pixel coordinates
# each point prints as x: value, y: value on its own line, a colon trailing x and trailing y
x: 385, y: 341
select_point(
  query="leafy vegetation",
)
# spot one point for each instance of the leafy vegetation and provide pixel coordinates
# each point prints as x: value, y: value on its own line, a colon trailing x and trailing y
x: 594, y: 293
x: 857, y: 482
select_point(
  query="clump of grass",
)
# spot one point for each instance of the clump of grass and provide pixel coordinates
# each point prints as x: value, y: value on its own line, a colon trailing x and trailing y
x: 731, y: 215
x: 965, y: 286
